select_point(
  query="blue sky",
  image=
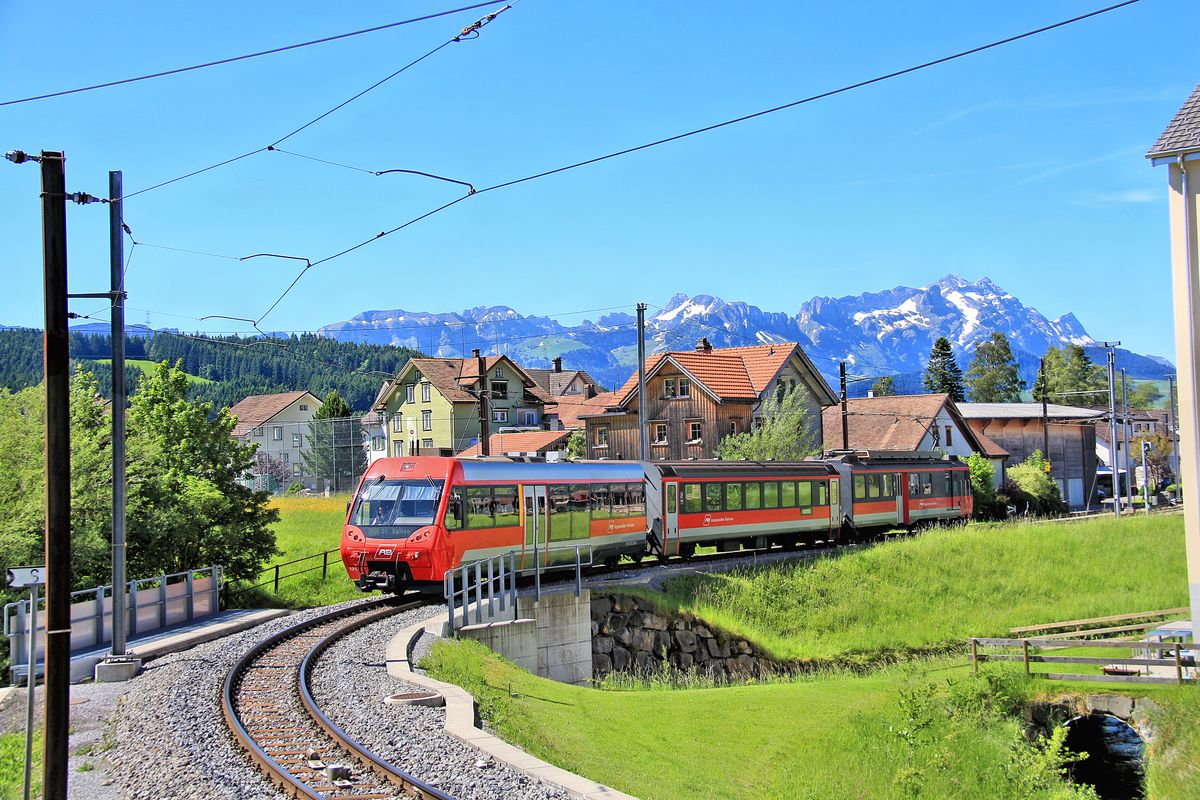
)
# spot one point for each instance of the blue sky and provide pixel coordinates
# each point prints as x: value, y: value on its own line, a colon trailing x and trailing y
x: 1024, y: 163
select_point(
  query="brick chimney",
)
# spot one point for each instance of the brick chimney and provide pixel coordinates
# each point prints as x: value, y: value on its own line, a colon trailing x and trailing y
x: 558, y: 364
x: 703, y: 346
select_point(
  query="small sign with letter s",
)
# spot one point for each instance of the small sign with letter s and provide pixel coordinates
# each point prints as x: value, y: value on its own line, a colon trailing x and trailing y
x: 26, y: 577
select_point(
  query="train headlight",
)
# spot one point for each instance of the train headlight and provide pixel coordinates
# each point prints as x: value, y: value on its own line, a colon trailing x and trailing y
x: 414, y: 555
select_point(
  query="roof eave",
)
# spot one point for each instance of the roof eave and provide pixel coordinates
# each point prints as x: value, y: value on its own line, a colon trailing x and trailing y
x: 1160, y: 157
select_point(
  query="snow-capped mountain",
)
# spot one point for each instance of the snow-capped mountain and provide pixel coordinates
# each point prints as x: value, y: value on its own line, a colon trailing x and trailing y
x: 878, y: 333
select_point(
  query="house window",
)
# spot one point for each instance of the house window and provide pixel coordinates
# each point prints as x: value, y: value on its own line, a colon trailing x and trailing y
x: 303, y: 407
x: 531, y: 418
x: 258, y: 431
x: 427, y: 444
x: 949, y: 436
x: 426, y: 420
x: 500, y: 415
x: 278, y: 434
x: 694, y: 431
x: 377, y: 443
x: 685, y: 387
x: 659, y: 430
x: 499, y: 390
x: 732, y: 427
x: 424, y: 392
x: 295, y: 470
x: 285, y: 458
x: 398, y: 424
x: 669, y: 387
x: 297, y: 440
x: 602, y: 436
x: 399, y: 448
x: 498, y: 372
x: 410, y: 392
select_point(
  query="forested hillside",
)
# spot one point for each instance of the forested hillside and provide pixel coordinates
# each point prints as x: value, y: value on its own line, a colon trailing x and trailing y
x: 232, y: 367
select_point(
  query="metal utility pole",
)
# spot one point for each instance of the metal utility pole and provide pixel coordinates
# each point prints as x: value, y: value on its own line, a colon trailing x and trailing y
x: 845, y: 410
x: 485, y: 405
x: 1112, y: 425
x: 56, y: 362
x: 643, y: 445
x: 1045, y: 415
x: 1145, y: 478
x: 1173, y: 432
x: 1125, y: 435
x: 119, y: 665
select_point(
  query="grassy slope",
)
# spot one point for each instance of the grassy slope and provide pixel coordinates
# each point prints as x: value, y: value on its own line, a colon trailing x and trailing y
x: 146, y: 366
x: 946, y: 586
x: 835, y: 735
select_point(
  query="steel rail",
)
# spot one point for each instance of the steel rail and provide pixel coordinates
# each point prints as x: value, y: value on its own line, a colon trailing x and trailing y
x: 279, y: 773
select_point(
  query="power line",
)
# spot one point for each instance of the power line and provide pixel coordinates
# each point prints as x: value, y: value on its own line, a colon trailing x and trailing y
x: 708, y: 128
x: 233, y: 59
x: 461, y: 36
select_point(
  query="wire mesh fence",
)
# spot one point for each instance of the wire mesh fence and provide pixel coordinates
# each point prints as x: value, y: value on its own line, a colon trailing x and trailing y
x: 325, y: 456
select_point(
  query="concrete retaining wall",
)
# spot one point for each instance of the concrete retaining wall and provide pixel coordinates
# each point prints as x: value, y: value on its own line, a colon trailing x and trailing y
x: 551, y: 637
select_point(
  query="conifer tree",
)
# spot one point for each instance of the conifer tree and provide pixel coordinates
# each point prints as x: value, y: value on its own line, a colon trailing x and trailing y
x: 992, y: 377
x: 883, y: 387
x: 942, y: 373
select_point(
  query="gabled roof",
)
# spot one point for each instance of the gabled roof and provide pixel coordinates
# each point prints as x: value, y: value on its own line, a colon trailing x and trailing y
x: 571, y: 410
x: 898, y: 422
x: 454, y: 377
x: 521, y: 442
x: 554, y: 383
x: 257, y: 409
x: 1182, y: 135
x: 730, y: 373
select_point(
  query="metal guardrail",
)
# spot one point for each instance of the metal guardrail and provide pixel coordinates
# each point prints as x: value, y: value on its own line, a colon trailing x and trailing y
x: 278, y: 577
x: 152, y: 603
x: 494, y: 581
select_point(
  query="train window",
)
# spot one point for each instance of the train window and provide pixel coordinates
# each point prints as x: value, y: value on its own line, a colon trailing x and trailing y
x: 560, y: 521
x: 733, y: 496
x: 787, y: 494
x: 873, y: 482
x: 691, y: 497
x: 770, y: 495
x: 753, y: 496
x: 505, y: 511
x: 949, y: 485
x: 889, y: 485
x: 600, y: 502
x: 479, y: 507
x: 712, y: 497
x: 455, y: 518
x: 914, y: 484
x: 672, y: 498
x: 927, y: 483
x: 822, y: 493
x: 805, y: 495
x: 637, y: 499
x: 860, y: 488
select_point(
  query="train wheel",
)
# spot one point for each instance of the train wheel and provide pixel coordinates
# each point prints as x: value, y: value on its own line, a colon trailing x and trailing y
x: 686, y: 551
x: 611, y: 561
x: 637, y: 557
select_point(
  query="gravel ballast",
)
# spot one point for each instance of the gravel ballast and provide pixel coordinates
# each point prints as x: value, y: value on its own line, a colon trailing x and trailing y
x: 350, y: 682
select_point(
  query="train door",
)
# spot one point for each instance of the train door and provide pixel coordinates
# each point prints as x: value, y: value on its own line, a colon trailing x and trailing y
x: 904, y: 498
x: 901, y: 492
x: 537, y: 526
x: 835, y: 506
x: 671, y: 520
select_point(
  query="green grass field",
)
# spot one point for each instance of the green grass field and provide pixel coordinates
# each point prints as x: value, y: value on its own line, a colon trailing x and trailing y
x: 307, y: 526
x: 144, y: 367
x: 12, y: 765
x: 918, y: 728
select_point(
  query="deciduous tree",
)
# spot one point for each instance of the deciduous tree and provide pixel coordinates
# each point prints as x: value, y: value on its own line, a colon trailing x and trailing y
x: 992, y: 376
x: 787, y: 432
x: 883, y: 387
x: 1071, y: 370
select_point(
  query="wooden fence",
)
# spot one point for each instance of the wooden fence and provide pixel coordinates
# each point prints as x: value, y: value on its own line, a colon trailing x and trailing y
x: 1169, y: 655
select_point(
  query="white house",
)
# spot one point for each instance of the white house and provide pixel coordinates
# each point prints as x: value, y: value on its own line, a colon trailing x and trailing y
x: 279, y: 425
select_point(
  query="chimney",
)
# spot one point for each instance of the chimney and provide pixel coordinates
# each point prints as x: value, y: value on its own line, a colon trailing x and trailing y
x: 704, y: 346
x: 475, y: 353
x: 558, y: 364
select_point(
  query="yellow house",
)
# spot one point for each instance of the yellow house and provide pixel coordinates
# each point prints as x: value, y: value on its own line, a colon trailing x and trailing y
x: 432, y: 406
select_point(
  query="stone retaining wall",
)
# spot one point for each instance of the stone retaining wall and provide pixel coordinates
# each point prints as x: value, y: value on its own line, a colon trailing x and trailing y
x: 632, y: 635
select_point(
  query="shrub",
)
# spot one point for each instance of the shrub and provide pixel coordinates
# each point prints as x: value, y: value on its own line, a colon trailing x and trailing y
x: 295, y: 488
x: 1030, y: 488
x: 987, y: 505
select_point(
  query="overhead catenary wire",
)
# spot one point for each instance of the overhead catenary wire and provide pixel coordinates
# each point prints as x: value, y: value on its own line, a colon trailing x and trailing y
x: 715, y: 126
x: 461, y: 36
x: 247, y: 56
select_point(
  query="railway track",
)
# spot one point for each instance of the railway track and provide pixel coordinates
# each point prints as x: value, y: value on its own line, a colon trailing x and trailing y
x: 268, y: 706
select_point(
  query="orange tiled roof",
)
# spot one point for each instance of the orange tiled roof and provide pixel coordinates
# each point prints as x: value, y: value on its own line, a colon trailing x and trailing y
x: 522, y: 442
x: 256, y: 409
x: 571, y: 410
x: 883, y: 423
x: 452, y: 377
x: 730, y: 373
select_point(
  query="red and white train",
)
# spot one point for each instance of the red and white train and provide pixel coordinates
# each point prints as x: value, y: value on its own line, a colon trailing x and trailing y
x: 414, y: 519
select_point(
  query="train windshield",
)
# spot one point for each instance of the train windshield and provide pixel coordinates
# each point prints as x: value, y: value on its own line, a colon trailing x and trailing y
x: 395, y: 509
